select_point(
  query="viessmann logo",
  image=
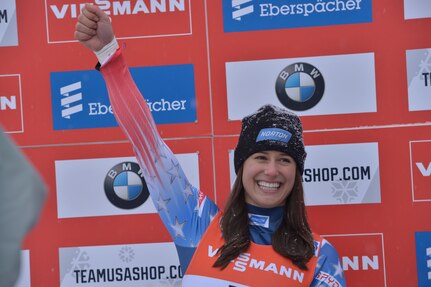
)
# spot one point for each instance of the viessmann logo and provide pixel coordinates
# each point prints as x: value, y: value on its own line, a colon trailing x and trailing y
x: 7, y: 103
x: 420, y: 164
x: 246, y: 15
x: 246, y: 261
x: 362, y: 259
x: 156, y: 16
x: 11, y: 117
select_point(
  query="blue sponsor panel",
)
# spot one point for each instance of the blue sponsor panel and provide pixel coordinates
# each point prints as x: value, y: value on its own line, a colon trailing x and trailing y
x: 249, y: 15
x: 80, y: 98
x: 169, y: 91
x: 423, y: 258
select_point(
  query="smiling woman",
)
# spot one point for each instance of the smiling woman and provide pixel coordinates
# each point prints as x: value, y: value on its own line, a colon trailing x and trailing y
x: 268, y: 178
x: 262, y: 237
x: 269, y: 160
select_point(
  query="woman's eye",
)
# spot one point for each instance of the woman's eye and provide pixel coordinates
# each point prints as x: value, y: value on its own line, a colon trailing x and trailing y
x: 260, y: 157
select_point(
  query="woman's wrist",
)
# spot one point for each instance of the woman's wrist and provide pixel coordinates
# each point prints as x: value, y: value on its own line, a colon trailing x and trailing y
x: 104, y: 54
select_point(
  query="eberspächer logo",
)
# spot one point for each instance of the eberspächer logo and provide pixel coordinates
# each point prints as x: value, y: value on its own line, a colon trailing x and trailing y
x: 300, y: 86
x: 241, y: 8
x: 250, y: 15
x: 125, y: 186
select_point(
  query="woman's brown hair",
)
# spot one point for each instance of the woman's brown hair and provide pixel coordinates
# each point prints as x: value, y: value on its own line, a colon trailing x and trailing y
x: 293, y: 238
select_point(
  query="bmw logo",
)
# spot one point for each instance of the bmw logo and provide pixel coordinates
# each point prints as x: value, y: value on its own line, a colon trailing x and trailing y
x: 300, y: 86
x: 125, y: 186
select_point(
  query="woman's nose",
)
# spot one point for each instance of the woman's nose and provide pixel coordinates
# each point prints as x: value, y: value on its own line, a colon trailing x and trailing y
x: 271, y: 168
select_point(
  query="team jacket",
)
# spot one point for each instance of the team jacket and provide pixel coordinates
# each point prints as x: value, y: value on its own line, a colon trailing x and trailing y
x: 185, y: 211
x: 256, y: 267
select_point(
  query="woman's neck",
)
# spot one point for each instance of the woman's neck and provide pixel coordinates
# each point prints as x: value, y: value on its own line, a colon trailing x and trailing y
x: 263, y: 223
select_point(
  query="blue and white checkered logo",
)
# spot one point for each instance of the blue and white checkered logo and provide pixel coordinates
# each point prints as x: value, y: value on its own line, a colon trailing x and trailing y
x: 300, y: 86
x: 125, y: 186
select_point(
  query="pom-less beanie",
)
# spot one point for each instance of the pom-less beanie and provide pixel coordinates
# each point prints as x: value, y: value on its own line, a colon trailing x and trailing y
x: 271, y: 128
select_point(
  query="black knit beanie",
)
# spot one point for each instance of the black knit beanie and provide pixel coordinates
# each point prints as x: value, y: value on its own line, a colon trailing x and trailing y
x: 271, y: 128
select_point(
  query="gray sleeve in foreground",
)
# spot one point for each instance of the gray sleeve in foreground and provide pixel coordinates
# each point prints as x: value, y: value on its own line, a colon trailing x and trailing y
x: 22, y: 194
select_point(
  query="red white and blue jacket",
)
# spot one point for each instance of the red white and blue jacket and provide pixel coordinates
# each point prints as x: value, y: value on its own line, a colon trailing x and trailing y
x: 187, y: 213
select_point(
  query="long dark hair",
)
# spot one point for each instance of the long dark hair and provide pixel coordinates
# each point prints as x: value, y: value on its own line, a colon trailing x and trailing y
x: 293, y: 239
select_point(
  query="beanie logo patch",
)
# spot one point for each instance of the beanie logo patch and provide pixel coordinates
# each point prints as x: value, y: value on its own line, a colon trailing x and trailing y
x: 275, y: 134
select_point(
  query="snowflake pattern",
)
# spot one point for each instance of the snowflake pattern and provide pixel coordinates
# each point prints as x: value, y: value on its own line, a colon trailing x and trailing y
x: 425, y: 66
x: 80, y: 261
x: 171, y: 282
x: 345, y: 191
x: 126, y: 254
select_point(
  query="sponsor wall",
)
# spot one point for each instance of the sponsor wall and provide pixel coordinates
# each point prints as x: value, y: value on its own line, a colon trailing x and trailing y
x: 358, y: 72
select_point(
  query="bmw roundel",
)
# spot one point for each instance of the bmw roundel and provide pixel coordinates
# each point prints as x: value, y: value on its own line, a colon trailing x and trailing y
x: 125, y: 186
x: 300, y: 86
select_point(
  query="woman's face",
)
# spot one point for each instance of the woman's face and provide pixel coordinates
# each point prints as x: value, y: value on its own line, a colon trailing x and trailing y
x: 268, y: 178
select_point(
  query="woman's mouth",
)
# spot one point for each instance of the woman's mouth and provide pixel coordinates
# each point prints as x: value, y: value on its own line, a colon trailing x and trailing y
x: 268, y: 185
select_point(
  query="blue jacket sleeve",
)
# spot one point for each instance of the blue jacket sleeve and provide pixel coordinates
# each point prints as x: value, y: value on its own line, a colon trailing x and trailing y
x: 185, y: 211
x: 329, y: 272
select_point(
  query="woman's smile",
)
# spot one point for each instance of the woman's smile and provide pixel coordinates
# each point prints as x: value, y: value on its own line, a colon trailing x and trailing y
x: 268, y: 178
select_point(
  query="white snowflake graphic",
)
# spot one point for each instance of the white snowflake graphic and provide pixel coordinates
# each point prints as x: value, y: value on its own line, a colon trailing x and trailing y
x: 127, y: 254
x: 80, y: 261
x: 345, y: 191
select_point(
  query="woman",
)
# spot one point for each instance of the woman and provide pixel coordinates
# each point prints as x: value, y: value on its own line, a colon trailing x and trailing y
x: 263, y: 238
